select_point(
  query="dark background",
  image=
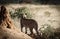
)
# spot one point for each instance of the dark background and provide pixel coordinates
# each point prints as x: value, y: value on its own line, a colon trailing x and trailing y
x: 53, y: 2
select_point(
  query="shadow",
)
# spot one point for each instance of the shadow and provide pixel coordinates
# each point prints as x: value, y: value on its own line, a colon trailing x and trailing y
x: 55, y: 35
x: 42, y: 2
x: 34, y: 36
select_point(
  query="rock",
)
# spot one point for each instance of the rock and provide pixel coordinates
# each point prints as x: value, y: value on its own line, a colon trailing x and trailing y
x: 7, y: 28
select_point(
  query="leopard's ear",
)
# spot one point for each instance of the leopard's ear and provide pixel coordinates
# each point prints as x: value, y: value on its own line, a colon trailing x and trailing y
x: 25, y: 13
x: 3, y: 8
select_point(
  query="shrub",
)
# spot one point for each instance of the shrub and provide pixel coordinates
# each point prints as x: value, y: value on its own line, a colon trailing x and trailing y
x: 22, y: 10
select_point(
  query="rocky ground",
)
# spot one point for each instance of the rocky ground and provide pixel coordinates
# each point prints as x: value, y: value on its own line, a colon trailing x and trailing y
x: 7, y: 27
